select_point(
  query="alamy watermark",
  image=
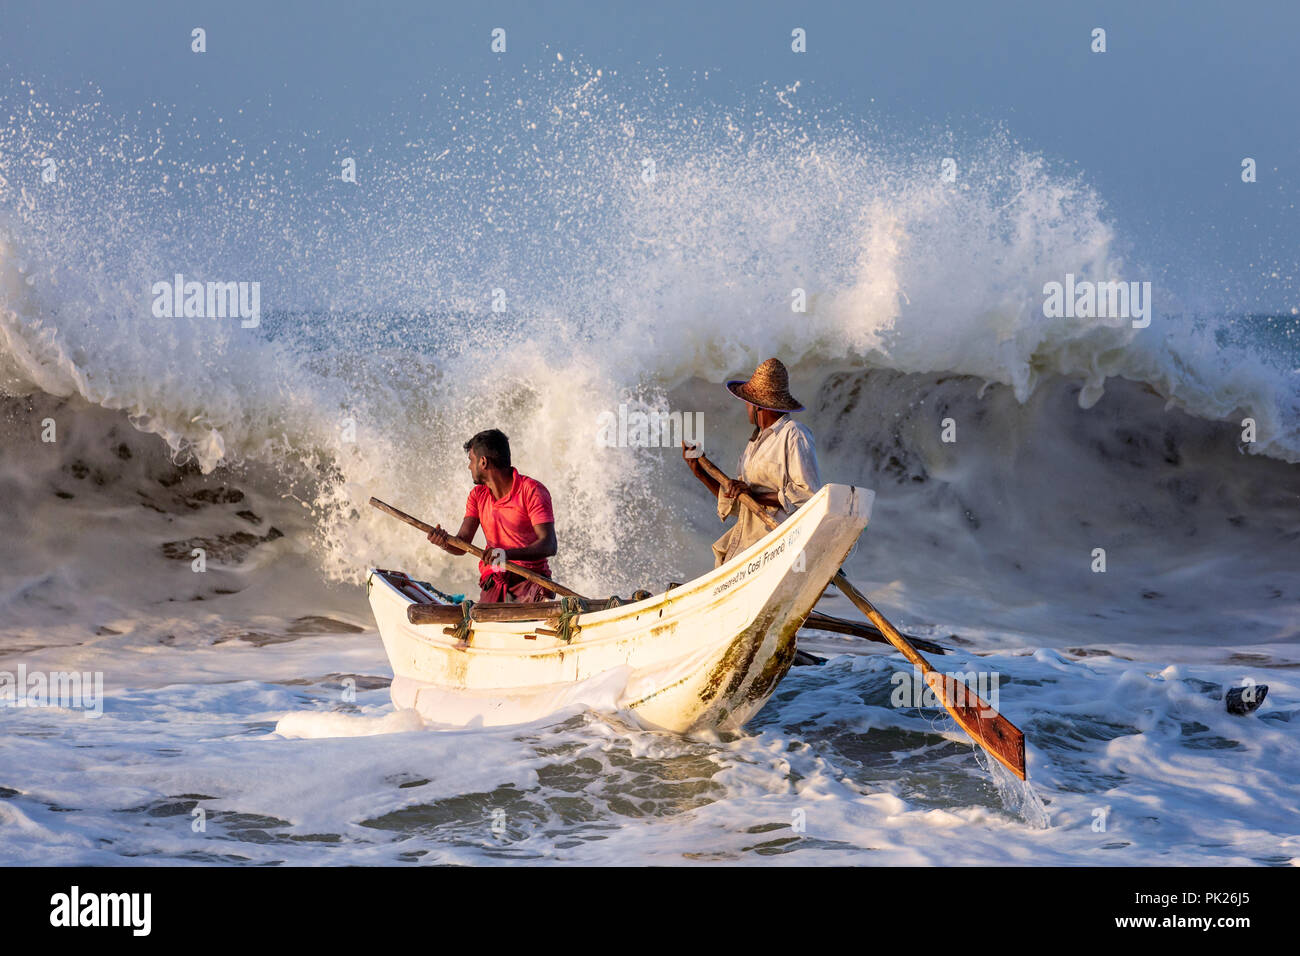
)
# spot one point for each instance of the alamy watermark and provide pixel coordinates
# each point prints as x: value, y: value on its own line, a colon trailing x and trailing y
x: 132, y: 911
x: 652, y: 429
x: 1085, y: 299
x: 68, y: 690
x: 212, y: 300
x: 967, y: 688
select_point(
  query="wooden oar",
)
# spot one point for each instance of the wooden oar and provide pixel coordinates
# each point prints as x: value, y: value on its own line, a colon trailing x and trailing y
x: 477, y: 552
x: 837, y: 625
x: 1001, y: 738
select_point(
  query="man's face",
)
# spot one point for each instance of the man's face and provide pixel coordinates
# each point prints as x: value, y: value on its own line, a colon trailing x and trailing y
x: 752, y: 412
x: 477, y: 469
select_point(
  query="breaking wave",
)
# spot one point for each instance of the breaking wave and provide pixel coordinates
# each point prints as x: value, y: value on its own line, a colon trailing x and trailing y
x: 639, y: 262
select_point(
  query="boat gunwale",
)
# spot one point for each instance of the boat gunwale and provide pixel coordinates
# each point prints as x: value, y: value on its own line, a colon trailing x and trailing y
x: 433, y: 636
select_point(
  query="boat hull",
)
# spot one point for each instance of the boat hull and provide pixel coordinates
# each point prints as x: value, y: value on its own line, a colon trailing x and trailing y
x: 704, y: 656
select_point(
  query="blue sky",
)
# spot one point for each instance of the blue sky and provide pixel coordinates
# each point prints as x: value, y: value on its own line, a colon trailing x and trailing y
x: 1158, y: 124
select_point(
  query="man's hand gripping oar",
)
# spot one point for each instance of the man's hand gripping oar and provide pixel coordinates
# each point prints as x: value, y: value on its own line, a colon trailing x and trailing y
x: 986, y: 726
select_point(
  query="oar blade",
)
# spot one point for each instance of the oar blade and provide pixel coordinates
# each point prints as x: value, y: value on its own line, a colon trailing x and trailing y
x: 999, y: 736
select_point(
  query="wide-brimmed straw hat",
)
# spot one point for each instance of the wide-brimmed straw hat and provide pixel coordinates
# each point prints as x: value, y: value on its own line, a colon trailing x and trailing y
x: 768, y: 387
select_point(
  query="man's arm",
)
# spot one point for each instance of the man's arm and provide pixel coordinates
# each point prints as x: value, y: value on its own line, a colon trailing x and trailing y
x: 543, y: 547
x: 468, y: 528
x: 697, y: 469
x: 768, y: 499
x: 735, y: 487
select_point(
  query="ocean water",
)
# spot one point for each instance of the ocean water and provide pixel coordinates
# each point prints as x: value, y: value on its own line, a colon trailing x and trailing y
x: 245, y: 710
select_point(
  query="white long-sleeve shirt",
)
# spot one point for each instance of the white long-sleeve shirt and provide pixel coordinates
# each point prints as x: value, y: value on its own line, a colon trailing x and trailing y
x: 782, y: 460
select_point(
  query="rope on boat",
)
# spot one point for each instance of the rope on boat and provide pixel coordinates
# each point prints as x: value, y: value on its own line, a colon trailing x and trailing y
x: 449, y: 598
x: 567, y: 627
x: 461, y: 632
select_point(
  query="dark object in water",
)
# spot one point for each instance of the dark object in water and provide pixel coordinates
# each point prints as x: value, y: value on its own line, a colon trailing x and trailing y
x: 803, y: 658
x: 1245, y: 700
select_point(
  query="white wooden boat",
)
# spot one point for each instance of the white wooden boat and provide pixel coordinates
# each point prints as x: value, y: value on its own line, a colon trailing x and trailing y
x: 705, y: 655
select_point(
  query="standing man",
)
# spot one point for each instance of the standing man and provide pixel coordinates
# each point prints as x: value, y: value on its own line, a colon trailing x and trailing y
x: 778, y: 467
x: 518, y: 523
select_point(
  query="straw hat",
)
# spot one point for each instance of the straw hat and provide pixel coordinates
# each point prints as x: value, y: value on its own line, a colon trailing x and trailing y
x: 768, y: 387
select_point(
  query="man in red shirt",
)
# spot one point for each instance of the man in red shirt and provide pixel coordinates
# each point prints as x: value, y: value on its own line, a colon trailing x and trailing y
x: 518, y: 523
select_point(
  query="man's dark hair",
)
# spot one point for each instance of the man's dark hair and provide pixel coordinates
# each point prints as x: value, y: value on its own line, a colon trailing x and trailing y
x: 492, y: 445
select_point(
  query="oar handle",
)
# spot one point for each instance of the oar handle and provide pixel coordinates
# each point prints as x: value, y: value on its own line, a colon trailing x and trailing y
x: 718, y: 475
x: 477, y: 552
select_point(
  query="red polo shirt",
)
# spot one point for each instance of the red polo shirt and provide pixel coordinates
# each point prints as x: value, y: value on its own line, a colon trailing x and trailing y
x: 508, y: 521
